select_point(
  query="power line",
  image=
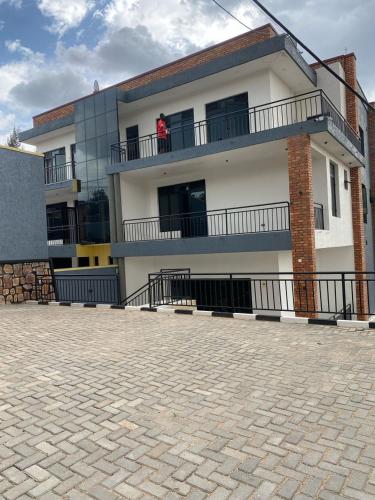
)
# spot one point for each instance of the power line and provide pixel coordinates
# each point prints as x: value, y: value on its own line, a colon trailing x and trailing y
x: 232, y: 15
x: 317, y: 58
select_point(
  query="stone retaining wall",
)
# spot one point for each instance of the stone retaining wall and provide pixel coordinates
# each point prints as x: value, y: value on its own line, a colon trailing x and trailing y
x: 25, y: 281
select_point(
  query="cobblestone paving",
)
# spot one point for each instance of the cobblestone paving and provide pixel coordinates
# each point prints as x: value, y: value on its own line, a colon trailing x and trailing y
x: 98, y: 404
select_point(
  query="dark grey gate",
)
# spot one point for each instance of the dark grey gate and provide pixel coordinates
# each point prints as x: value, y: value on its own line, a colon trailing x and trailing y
x: 88, y: 288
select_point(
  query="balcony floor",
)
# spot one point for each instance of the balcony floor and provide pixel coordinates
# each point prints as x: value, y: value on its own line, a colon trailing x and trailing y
x: 256, y: 242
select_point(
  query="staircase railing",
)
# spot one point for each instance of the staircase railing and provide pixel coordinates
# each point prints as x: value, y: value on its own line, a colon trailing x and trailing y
x: 142, y: 296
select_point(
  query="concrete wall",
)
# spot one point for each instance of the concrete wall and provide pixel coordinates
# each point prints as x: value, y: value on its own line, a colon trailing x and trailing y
x: 23, y: 224
x: 137, y: 268
x: 63, y: 139
x: 258, y: 87
x: 338, y: 230
x: 228, y: 185
x: 332, y: 87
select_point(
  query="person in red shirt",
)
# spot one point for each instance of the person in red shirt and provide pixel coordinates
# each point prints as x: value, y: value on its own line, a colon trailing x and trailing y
x: 163, y: 134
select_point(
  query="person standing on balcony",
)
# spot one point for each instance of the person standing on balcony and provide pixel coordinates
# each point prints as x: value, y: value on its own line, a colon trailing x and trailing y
x: 163, y: 134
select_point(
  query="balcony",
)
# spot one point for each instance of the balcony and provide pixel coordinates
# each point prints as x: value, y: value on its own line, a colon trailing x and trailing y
x: 54, y: 174
x: 85, y: 234
x: 255, y: 228
x: 222, y: 222
x: 312, y: 111
x: 241, y: 229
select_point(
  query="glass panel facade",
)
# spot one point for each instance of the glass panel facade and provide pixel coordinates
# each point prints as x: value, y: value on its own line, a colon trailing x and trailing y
x: 96, y: 125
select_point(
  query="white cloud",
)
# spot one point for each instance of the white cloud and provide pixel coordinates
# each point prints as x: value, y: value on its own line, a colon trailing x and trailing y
x: 15, y: 46
x: 7, y: 121
x: 66, y: 14
x: 180, y: 24
x: 137, y: 35
x: 13, y: 3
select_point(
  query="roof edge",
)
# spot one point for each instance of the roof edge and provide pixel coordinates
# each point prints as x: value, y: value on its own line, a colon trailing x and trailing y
x: 333, y: 59
x: 175, y: 61
x: 19, y: 150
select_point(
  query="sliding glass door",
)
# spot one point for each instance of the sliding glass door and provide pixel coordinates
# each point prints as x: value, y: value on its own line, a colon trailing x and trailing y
x: 227, y: 118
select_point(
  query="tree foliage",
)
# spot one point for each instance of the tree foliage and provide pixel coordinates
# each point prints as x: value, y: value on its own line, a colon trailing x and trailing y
x: 13, y: 138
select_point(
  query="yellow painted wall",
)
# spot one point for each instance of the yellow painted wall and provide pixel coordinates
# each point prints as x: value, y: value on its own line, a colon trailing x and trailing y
x: 103, y: 251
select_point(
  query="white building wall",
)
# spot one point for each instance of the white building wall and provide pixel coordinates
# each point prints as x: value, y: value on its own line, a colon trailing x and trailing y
x: 278, y: 88
x: 228, y: 185
x: 262, y: 88
x: 338, y: 230
x: 332, y: 87
x: 138, y: 268
x: 59, y: 141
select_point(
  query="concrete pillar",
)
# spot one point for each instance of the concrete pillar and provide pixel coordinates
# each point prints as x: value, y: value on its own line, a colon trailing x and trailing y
x: 285, y: 265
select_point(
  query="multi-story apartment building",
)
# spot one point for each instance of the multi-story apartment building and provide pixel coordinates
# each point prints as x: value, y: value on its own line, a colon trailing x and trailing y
x: 266, y: 167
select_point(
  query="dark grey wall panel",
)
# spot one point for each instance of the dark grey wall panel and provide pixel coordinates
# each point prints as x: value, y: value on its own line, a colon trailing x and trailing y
x: 243, y: 141
x: 46, y: 127
x: 242, y: 56
x: 62, y: 251
x: 23, y: 223
x: 259, y: 242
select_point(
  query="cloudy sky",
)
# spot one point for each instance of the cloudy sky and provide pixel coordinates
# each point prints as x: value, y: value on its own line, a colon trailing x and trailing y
x: 51, y: 51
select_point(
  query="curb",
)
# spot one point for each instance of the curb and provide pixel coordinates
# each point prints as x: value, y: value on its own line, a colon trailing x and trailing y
x: 364, y: 325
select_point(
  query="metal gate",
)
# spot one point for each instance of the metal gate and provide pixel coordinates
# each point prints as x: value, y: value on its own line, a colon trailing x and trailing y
x: 88, y: 288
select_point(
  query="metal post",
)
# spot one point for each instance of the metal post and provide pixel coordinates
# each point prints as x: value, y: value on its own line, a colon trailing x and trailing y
x: 149, y: 292
x: 343, y: 293
x: 226, y: 221
x: 231, y: 292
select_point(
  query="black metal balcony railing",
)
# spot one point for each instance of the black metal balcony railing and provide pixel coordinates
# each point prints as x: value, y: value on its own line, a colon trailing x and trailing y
x: 336, y: 295
x: 222, y: 222
x: 62, y: 235
x: 85, y: 233
x: 58, y: 173
x: 311, y: 106
x: 319, y: 216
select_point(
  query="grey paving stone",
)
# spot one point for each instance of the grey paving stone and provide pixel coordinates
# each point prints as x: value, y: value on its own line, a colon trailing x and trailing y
x: 171, y: 406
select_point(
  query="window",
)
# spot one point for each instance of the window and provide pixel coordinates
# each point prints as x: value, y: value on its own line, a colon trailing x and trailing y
x: 55, y: 157
x: 83, y: 261
x: 365, y: 204
x: 333, y: 179
x: 132, y: 137
x: 181, y: 131
x: 346, y: 180
x: 182, y: 207
x: 52, y: 161
x: 96, y: 260
x: 362, y: 137
x: 227, y: 118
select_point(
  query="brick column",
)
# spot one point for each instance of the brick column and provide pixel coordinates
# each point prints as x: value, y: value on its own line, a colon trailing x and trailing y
x: 371, y: 143
x: 349, y: 64
x: 359, y: 241
x: 302, y: 222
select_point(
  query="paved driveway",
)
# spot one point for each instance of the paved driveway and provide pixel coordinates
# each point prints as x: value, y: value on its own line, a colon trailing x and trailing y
x: 114, y: 404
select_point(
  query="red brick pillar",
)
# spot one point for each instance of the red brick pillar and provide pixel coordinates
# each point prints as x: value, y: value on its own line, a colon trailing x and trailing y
x: 349, y: 64
x: 359, y: 241
x: 302, y: 222
x: 371, y: 143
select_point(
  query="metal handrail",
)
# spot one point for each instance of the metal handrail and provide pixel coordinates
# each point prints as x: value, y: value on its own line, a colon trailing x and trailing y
x: 225, y: 221
x: 324, y: 293
x: 204, y: 211
x: 258, y: 118
x: 58, y: 173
